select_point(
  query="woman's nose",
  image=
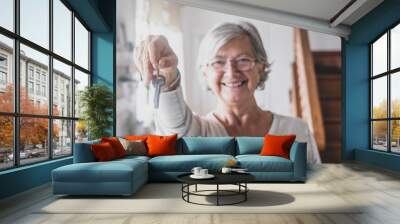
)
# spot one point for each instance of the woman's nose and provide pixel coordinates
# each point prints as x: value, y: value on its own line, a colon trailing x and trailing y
x: 230, y: 67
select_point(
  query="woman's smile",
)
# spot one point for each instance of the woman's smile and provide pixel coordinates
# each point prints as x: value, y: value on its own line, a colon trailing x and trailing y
x: 234, y: 84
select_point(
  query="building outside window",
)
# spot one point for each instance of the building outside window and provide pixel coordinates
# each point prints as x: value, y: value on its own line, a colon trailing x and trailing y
x: 3, y: 78
x: 385, y: 91
x: 3, y: 61
x: 3, y: 72
x: 38, y: 89
x: 30, y: 87
x: 59, y: 134
x: 43, y: 90
x: 30, y: 72
x: 43, y: 78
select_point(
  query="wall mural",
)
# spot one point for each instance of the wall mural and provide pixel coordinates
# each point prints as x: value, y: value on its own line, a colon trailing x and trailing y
x: 192, y: 72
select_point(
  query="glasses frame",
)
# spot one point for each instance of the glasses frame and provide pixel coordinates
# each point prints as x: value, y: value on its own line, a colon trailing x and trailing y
x: 234, y: 62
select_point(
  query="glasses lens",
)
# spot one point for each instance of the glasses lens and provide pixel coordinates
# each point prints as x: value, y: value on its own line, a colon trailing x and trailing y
x: 244, y: 64
x: 218, y: 65
x: 241, y: 64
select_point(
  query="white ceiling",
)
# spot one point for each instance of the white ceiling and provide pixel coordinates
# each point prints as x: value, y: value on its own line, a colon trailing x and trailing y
x: 314, y: 15
x: 319, y: 9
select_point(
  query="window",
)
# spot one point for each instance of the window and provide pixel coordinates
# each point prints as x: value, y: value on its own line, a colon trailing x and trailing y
x: 43, y: 77
x: 385, y: 92
x: 81, y: 45
x: 30, y: 72
x: 7, y: 14
x: 3, y: 61
x: 54, y: 125
x: 62, y: 29
x: 62, y: 74
x: 38, y: 89
x: 37, y: 74
x: 34, y: 22
x: 3, y: 78
x: 44, y: 91
x: 3, y: 72
x: 30, y: 87
x: 6, y: 73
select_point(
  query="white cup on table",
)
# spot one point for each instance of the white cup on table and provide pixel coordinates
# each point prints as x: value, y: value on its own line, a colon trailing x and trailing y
x: 226, y: 170
x: 203, y: 172
x: 196, y: 171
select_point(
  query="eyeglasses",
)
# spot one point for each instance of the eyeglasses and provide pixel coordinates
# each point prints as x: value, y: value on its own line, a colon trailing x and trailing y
x: 243, y: 64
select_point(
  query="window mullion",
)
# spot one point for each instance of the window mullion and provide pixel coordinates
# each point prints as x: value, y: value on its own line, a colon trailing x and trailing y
x: 371, y: 124
x: 389, y: 101
x: 16, y: 70
x: 73, y: 82
x: 50, y: 81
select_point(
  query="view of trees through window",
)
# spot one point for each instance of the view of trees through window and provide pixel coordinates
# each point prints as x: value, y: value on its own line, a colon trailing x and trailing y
x: 385, y: 91
x: 40, y: 83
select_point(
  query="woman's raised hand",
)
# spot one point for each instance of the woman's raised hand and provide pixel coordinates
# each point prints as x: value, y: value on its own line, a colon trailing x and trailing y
x: 155, y: 53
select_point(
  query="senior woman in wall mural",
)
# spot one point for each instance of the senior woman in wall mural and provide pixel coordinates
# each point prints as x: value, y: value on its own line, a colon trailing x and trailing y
x: 233, y: 62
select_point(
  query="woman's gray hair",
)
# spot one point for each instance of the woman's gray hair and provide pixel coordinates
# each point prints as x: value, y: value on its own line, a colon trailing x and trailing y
x: 222, y: 33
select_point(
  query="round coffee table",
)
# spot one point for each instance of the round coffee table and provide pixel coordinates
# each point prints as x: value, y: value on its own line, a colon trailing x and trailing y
x: 238, y: 179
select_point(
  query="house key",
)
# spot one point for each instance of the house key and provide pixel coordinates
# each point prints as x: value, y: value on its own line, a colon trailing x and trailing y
x: 158, y: 82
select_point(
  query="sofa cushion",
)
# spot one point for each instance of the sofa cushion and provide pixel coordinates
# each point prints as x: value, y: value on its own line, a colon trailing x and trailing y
x: 103, y: 152
x: 249, y: 145
x: 206, y: 145
x: 134, y: 147
x: 185, y: 163
x: 111, y: 171
x: 159, y: 145
x: 277, y: 145
x: 131, y: 158
x: 257, y: 163
x: 116, y: 145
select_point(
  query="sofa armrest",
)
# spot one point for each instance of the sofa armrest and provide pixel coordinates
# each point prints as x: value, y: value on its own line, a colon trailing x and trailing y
x: 298, y: 155
x: 83, y: 152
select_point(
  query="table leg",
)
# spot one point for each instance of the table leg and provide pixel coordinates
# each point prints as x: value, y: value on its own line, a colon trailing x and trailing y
x: 196, y: 188
x: 245, y: 191
x: 217, y: 194
x: 188, y: 189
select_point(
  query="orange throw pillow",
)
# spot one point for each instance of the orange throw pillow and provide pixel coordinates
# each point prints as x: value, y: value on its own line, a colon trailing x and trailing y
x: 116, y: 145
x: 103, y: 152
x: 161, y: 145
x: 136, y: 137
x: 277, y: 145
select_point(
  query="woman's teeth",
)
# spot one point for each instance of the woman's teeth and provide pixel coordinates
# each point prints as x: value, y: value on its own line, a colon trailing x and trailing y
x: 234, y: 84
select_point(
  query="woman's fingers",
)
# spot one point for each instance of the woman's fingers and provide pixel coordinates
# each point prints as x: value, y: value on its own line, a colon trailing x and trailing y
x: 168, y: 61
x: 153, y: 53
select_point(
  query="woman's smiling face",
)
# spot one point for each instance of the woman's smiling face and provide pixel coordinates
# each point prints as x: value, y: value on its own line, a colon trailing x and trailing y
x: 231, y: 85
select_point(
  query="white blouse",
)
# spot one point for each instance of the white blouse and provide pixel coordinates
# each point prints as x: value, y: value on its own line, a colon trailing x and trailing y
x: 174, y: 116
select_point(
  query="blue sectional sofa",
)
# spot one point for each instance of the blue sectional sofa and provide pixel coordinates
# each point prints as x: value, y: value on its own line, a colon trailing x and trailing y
x: 125, y: 176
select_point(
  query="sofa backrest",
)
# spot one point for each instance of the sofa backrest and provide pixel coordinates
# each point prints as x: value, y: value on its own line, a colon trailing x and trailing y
x: 249, y: 145
x: 83, y: 152
x: 206, y: 145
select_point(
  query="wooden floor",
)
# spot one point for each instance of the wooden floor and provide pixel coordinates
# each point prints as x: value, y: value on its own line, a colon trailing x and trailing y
x: 353, y: 182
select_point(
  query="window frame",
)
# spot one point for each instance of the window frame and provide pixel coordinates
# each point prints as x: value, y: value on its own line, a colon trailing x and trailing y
x: 16, y: 114
x: 388, y: 74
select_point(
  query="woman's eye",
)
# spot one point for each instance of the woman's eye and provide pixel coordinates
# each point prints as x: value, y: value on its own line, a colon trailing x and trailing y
x: 219, y: 63
x: 243, y: 60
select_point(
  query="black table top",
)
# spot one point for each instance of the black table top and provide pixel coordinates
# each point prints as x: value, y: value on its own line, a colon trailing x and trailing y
x: 220, y: 178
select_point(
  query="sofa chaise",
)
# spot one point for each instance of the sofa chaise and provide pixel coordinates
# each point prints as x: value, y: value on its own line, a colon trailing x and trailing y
x: 125, y: 176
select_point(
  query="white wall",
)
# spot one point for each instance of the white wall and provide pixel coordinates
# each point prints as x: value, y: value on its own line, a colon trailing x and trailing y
x: 324, y: 42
